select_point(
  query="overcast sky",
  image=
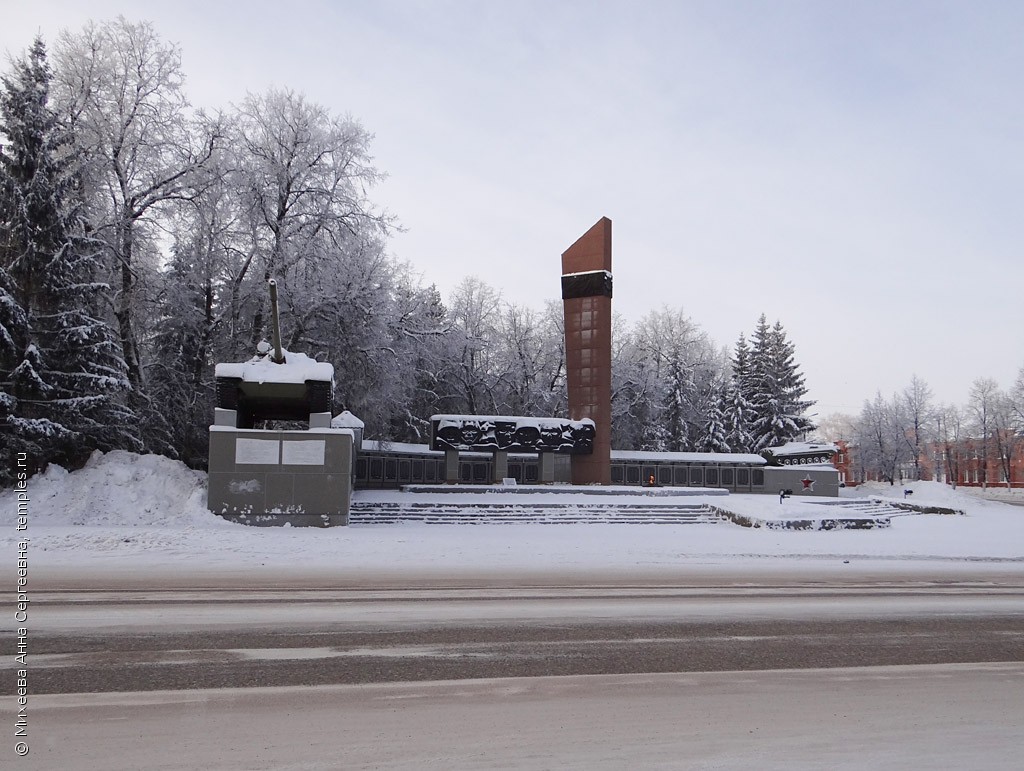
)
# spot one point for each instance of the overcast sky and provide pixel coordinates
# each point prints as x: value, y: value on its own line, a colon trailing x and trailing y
x: 853, y: 169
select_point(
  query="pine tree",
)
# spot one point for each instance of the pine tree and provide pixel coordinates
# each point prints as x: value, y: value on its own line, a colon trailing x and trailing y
x: 28, y: 231
x: 714, y: 434
x: 737, y: 410
x: 777, y: 389
x: 792, y: 388
x: 13, y: 334
x: 68, y: 377
x: 676, y: 408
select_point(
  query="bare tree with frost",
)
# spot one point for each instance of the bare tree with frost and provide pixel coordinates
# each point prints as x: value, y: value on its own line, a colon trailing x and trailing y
x: 919, y: 413
x: 121, y: 87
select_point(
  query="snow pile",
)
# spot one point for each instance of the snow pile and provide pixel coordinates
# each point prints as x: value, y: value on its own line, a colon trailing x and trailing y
x: 347, y: 420
x: 118, y: 489
x: 922, y: 494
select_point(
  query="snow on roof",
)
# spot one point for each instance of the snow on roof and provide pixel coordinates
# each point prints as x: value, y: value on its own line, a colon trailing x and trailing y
x: 297, y: 368
x: 689, y: 457
x: 405, y: 448
x: 519, y: 420
x: 408, y: 448
x: 346, y: 420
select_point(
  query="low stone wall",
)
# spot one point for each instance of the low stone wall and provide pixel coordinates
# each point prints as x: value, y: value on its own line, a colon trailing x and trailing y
x: 804, y: 523
x: 810, y: 480
x: 920, y: 508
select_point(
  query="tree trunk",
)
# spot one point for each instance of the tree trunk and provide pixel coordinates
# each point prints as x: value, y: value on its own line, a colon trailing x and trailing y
x: 126, y: 326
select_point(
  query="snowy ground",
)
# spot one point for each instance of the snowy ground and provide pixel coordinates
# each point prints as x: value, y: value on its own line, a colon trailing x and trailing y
x: 143, y: 519
x: 126, y: 512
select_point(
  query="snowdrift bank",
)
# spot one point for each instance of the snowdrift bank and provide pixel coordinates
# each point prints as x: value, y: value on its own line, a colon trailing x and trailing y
x: 134, y: 513
x: 116, y: 489
x: 923, y: 493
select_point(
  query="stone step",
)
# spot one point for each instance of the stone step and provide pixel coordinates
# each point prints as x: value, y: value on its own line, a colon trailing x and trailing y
x: 391, y: 505
x: 868, y: 507
x: 536, y: 514
x: 457, y: 521
x: 391, y: 512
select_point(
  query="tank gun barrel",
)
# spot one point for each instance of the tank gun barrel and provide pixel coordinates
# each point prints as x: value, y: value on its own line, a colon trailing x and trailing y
x: 275, y: 324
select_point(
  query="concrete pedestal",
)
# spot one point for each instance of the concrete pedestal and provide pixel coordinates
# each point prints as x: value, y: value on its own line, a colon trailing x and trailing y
x: 451, y: 467
x: 500, y: 466
x: 547, y: 468
x: 302, y: 478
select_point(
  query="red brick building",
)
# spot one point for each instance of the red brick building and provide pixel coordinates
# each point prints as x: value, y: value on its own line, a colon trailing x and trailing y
x: 960, y: 463
x: 964, y: 463
x: 842, y: 461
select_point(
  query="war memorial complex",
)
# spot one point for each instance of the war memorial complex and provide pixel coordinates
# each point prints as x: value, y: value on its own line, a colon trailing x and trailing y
x: 307, y: 476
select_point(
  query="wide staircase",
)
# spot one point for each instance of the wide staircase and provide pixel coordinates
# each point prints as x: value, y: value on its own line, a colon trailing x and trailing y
x: 511, y: 513
x: 835, y: 514
x: 868, y: 507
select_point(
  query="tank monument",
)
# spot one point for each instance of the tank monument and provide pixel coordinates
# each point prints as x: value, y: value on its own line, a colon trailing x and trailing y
x: 295, y: 476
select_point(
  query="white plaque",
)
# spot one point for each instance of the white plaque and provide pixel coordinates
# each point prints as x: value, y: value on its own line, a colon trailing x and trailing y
x: 303, y: 452
x: 261, y: 452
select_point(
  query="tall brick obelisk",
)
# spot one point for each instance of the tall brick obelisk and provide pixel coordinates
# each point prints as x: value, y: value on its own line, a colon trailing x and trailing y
x: 587, y: 301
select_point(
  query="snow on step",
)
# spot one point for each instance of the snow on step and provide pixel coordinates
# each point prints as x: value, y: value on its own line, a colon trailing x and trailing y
x: 535, y: 513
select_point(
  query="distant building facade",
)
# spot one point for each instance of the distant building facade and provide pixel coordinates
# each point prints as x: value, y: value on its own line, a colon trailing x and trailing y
x: 841, y: 460
x: 961, y: 463
x: 964, y: 463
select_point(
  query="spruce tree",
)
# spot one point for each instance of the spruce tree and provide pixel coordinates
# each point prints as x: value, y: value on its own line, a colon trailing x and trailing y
x: 28, y: 228
x: 714, y: 433
x: 777, y: 396
x: 13, y: 334
x: 68, y: 376
x: 792, y: 388
x: 675, y: 408
x: 737, y: 410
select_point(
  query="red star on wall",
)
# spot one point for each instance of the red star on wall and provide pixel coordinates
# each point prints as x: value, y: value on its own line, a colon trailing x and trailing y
x: 808, y: 483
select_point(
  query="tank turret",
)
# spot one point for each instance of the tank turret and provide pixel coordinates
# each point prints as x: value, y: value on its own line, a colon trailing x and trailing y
x: 275, y: 384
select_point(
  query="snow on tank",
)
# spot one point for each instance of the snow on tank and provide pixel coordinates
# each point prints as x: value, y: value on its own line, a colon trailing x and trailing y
x: 260, y: 389
x: 297, y: 368
x: 800, y: 453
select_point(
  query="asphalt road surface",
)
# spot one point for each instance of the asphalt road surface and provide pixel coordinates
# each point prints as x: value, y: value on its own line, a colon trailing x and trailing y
x: 886, y: 718
x: 139, y: 655
x: 92, y: 641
